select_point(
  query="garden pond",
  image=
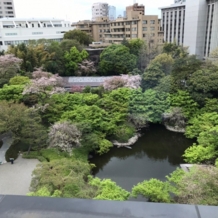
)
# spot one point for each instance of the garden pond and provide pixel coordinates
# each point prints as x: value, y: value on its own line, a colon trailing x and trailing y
x: 156, y: 154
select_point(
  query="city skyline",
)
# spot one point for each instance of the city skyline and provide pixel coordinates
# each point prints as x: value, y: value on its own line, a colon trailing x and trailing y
x: 74, y: 10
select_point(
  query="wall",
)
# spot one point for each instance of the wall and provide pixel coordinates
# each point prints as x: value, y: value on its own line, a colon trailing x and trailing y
x: 195, y: 26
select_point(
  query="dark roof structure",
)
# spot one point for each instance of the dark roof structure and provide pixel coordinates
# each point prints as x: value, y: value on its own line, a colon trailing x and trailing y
x: 84, y: 81
x: 42, y: 207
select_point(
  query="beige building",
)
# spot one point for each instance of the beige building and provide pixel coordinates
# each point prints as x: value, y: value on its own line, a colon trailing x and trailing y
x: 7, y: 8
x: 135, y: 25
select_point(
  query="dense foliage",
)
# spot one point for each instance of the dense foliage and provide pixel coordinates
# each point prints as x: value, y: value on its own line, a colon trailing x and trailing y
x: 149, y: 85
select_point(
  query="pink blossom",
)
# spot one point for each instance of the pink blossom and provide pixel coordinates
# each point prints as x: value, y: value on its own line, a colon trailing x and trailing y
x: 128, y: 81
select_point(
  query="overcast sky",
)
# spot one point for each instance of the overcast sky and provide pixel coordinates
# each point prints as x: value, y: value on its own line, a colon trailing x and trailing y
x: 74, y: 10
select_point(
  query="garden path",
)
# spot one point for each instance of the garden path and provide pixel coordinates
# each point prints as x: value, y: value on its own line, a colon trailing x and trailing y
x: 15, y: 178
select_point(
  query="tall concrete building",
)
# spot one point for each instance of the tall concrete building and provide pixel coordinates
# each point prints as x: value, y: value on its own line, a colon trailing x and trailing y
x: 112, y: 12
x: 192, y: 23
x: 7, y: 8
x: 134, y: 25
x: 100, y: 10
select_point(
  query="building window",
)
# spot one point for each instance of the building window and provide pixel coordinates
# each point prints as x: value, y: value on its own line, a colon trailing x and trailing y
x: 152, y: 28
x: 144, y: 28
x: 134, y: 29
x: 57, y: 25
x: 144, y: 35
x: 10, y: 34
x: 37, y: 33
x: 134, y: 35
x: 144, y: 22
x: 152, y: 21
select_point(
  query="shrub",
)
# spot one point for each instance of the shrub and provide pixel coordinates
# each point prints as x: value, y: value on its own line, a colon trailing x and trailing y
x: 155, y: 190
x: 124, y: 132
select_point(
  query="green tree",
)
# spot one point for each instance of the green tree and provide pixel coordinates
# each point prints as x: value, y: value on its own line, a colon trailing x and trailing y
x: 134, y: 46
x: 12, y: 93
x: 108, y: 190
x: 67, y: 44
x: 214, y: 56
x: 201, y: 123
x: 19, y: 80
x: 82, y: 37
x: 176, y: 51
x: 73, y: 58
x: 12, y: 117
x: 182, y: 71
x: 165, y: 60
x: 183, y: 100
x: 154, y: 189
x: 33, y: 132
x: 27, y: 54
x: 65, y: 176
x: 164, y: 84
x: 151, y: 105
x: 203, y: 84
x: 152, y: 76
x: 116, y: 60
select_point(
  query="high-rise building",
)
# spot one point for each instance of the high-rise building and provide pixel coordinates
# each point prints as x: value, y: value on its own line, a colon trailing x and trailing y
x: 100, y: 10
x: 192, y: 23
x: 7, y: 8
x: 112, y: 12
x: 124, y: 14
x: 134, y: 25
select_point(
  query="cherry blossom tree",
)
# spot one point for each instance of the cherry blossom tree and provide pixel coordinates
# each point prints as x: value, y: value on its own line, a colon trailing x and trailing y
x: 41, y: 87
x: 77, y: 89
x: 86, y: 68
x: 45, y: 84
x: 128, y: 81
x: 9, y: 67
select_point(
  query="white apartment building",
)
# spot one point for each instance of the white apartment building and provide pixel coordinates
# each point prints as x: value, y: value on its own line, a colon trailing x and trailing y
x: 7, y: 8
x: 100, y: 10
x: 192, y: 23
x: 14, y: 31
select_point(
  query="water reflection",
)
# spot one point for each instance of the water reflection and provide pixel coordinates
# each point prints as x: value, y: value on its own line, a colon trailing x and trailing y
x: 157, y: 153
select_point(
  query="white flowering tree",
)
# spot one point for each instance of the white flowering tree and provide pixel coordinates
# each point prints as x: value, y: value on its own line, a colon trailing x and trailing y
x: 64, y: 136
x: 129, y: 81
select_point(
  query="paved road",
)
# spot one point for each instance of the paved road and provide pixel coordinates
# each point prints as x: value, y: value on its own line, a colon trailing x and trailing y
x: 15, y: 178
x: 7, y: 141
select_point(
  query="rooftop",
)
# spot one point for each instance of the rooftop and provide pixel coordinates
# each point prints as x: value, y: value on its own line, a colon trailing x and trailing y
x: 42, y: 207
x: 30, y: 19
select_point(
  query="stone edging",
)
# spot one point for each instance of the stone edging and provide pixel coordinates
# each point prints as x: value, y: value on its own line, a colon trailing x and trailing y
x: 131, y: 141
x: 174, y: 129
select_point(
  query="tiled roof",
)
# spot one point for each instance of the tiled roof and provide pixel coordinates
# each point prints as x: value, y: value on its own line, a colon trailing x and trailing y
x: 84, y: 81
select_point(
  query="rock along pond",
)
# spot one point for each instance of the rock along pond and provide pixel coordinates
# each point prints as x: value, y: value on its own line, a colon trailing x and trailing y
x: 156, y: 154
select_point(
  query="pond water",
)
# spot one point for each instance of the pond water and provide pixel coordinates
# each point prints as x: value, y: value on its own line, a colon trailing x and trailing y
x: 156, y: 154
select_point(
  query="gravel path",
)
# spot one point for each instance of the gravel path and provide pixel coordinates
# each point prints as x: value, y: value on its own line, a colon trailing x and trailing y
x: 7, y: 141
x: 15, y: 178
